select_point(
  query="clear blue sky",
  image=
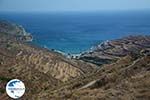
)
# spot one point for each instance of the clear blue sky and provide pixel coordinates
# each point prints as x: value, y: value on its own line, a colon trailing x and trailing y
x: 73, y: 5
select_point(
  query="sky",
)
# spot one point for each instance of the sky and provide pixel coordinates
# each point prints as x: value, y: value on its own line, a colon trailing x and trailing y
x: 72, y: 5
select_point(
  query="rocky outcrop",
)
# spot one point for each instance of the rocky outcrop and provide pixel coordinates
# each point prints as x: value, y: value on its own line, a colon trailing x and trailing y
x: 16, y: 30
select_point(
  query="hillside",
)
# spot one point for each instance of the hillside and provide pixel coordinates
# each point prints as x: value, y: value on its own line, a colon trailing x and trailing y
x: 114, y: 70
x: 13, y: 29
x: 125, y: 78
x: 110, y: 51
x: 38, y: 68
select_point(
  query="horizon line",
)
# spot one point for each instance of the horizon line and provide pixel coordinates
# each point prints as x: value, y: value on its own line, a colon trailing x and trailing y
x: 52, y: 11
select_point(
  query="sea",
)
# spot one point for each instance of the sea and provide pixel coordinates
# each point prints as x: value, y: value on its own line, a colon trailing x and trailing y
x: 76, y: 32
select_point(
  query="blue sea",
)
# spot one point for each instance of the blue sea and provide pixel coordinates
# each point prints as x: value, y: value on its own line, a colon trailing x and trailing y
x: 75, y: 32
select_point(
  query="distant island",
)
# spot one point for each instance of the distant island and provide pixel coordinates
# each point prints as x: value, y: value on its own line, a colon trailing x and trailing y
x: 113, y: 70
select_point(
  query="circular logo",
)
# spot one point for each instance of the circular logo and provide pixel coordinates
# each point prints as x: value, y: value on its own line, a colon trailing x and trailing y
x: 15, y: 88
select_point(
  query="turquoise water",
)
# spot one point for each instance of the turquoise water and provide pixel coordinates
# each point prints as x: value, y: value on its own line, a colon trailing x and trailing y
x: 77, y: 32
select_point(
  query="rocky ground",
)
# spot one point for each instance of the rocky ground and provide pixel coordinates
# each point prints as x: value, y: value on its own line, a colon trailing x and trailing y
x: 114, y: 70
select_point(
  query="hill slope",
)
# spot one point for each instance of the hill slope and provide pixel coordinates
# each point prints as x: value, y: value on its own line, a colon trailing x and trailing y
x: 125, y: 78
x: 38, y: 68
x: 114, y: 70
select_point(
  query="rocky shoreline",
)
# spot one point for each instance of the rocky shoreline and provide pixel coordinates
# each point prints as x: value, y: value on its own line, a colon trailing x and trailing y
x: 17, y: 30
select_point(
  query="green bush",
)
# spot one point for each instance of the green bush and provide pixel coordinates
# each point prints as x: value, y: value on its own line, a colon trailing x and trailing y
x: 4, y: 79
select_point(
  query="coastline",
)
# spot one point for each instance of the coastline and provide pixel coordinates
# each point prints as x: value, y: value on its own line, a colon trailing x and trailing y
x: 77, y: 55
x: 92, y: 49
x: 28, y: 38
x: 105, y: 67
x: 16, y: 30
